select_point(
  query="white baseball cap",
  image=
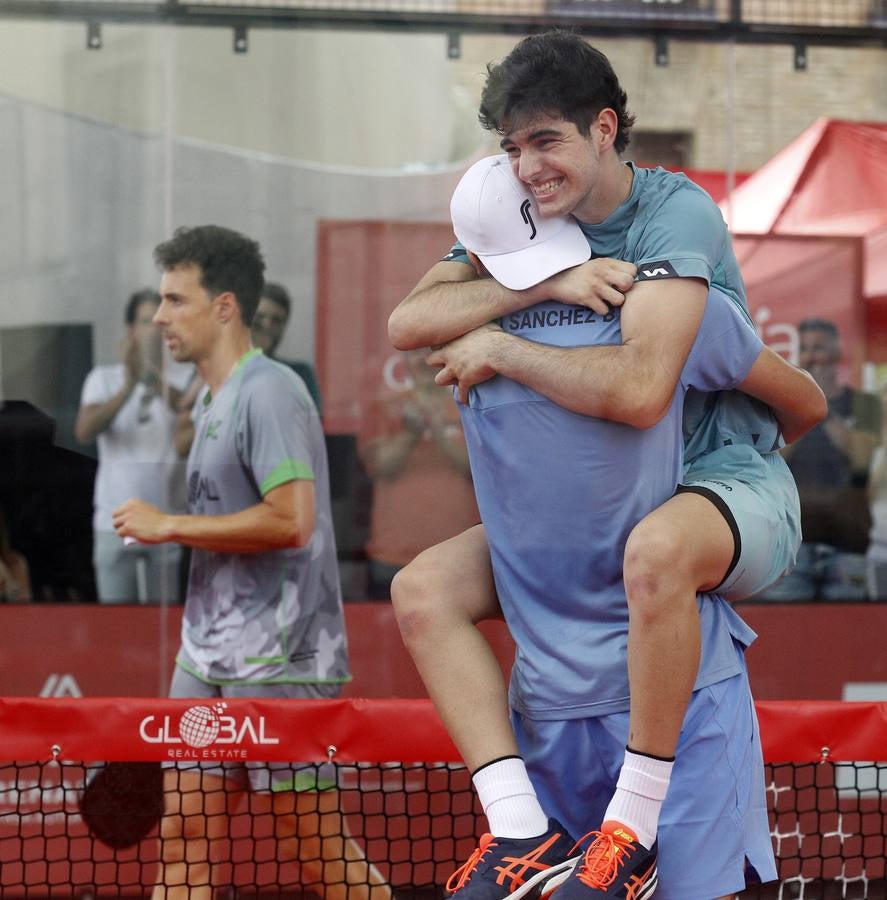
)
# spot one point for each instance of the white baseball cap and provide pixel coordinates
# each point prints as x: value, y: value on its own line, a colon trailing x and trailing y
x: 497, y: 218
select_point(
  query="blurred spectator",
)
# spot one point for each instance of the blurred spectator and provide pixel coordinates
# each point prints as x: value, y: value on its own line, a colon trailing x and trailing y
x: 129, y: 409
x: 831, y: 465
x: 15, y: 579
x: 184, y: 427
x: 876, y: 555
x: 269, y: 324
x: 416, y: 455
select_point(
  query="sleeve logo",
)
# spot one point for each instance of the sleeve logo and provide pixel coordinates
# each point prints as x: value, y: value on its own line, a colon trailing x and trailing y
x: 652, y: 271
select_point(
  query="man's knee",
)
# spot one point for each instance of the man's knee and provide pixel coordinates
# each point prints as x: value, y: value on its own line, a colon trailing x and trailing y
x: 445, y: 588
x: 654, y: 567
x: 414, y: 585
x: 419, y: 596
x: 409, y: 586
x: 681, y: 548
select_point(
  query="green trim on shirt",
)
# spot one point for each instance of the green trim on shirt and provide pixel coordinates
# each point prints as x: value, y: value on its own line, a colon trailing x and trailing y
x: 288, y: 470
x: 253, y: 351
x: 304, y: 780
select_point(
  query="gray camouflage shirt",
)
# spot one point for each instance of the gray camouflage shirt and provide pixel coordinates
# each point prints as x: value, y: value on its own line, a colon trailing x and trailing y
x: 269, y: 617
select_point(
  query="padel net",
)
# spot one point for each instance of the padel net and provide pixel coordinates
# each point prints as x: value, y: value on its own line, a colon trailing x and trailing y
x: 353, y: 799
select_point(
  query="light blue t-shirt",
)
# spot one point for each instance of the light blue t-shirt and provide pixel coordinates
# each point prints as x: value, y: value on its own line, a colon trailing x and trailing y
x: 559, y: 494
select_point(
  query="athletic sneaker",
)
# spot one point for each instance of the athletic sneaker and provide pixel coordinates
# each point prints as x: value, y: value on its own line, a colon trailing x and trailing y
x: 516, y: 867
x: 614, y: 865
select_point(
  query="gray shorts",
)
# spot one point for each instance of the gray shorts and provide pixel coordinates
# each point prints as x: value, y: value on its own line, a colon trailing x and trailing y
x: 758, y: 497
x: 259, y: 776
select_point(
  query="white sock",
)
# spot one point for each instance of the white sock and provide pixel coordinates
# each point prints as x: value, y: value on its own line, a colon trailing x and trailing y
x: 643, y: 783
x: 509, y: 799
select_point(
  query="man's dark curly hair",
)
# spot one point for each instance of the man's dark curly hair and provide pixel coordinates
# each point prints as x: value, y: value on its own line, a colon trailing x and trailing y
x: 228, y: 261
x: 556, y: 73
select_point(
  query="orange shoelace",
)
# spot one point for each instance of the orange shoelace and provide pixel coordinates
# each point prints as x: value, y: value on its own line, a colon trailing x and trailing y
x: 605, y: 856
x: 463, y: 874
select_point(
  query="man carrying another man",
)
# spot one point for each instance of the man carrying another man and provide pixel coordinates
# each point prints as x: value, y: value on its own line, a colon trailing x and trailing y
x: 732, y: 525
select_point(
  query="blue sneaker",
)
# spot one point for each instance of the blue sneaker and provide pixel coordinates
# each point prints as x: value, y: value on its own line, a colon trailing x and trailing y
x: 614, y: 865
x: 516, y: 867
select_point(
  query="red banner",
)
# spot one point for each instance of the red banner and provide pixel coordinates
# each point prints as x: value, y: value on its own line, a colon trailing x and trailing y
x: 346, y: 731
x: 350, y: 731
x: 808, y: 731
x: 790, y: 279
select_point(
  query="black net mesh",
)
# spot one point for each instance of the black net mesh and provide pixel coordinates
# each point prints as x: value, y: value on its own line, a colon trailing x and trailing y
x: 383, y: 829
x: 69, y: 829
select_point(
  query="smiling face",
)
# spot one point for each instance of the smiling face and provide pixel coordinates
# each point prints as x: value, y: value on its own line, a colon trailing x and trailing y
x: 560, y: 166
x: 186, y: 315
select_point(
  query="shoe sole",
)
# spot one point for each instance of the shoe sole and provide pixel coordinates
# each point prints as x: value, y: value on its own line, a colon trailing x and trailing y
x: 543, y: 884
x: 648, y: 889
x: 565, y: 869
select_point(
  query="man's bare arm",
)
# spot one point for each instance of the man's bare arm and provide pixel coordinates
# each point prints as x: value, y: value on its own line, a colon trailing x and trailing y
x: 450, y: 300
x: 632, y: 382
x: 795, y: 398
x: 94, y: 418
x: 284, y: 518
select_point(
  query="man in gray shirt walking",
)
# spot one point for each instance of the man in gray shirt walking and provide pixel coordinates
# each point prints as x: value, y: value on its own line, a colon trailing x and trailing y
x: 263, y: 615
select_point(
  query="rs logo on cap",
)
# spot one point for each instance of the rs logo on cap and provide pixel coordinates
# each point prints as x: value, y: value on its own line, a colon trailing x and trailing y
x: 525, y: 215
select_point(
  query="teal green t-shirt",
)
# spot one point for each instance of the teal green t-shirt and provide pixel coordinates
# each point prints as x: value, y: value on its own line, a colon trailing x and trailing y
x: 669, y: 227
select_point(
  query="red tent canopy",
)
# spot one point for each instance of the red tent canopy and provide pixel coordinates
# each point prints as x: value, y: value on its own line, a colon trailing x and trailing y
x: 810, y: 232
x: 714, y: 182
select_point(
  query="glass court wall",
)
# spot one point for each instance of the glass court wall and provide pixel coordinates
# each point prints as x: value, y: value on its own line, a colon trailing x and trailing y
x: 336, y: 144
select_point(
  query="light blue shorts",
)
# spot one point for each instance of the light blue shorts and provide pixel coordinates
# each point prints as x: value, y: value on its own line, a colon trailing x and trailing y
x: 714, y: 818
x: 758, y: 497
x: 260, y: 776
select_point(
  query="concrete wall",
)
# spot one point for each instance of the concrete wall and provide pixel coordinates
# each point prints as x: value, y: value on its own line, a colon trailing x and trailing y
x: 103, y: 152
